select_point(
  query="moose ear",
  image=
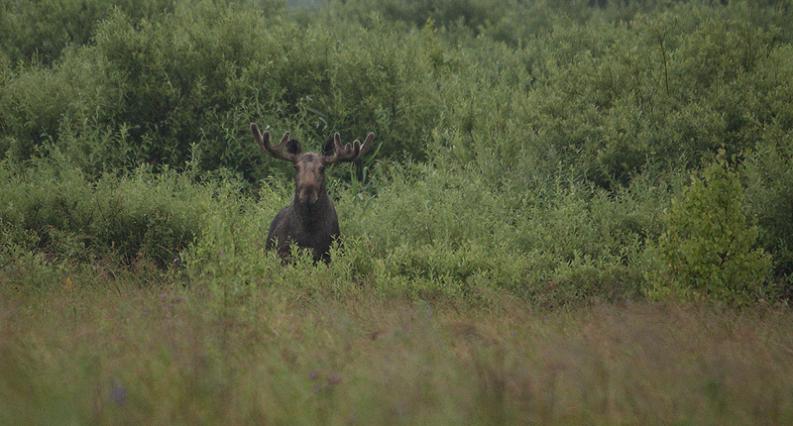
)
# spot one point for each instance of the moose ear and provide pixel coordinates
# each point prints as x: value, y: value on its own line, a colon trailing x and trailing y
x: 293, y: 147
x: 328, y: 149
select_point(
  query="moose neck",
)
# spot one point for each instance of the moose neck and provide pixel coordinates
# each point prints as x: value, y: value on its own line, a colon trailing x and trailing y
x: 311, y: 213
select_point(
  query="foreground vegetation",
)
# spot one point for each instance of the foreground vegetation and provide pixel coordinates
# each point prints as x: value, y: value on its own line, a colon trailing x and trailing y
x: 577, y: 212
x: 159, y: 355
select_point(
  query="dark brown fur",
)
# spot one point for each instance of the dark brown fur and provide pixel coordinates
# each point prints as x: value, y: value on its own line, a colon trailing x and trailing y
x: 310, y: 221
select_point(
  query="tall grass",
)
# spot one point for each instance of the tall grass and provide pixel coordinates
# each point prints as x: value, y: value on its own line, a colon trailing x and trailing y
x: 88, y: 353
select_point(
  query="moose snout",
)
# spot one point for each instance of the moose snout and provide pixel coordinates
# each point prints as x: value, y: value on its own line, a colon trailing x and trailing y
x: 309, y: 194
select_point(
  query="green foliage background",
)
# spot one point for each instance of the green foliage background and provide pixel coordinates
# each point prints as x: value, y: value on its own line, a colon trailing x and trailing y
x: 528, y: 146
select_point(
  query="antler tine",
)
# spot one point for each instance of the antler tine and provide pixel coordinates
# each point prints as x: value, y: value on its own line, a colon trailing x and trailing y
x: 349, y: 152
x: 279, y: 151
x: 367, y: 144
x: 258, y: 137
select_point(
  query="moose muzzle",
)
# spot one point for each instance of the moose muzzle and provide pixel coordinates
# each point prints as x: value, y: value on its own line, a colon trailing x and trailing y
x: 308, y: 194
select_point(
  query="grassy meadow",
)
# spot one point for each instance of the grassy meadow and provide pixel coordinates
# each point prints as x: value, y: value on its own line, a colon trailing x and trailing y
x: 154, y: 355
x: 577, y: 212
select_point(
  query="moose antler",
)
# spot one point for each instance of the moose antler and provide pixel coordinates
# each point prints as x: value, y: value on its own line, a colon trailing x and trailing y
x: 349, y: 152
x: 279, y: 151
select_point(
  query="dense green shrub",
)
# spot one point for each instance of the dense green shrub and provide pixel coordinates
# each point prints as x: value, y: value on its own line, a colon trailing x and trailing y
x: 56, y: 211
x: 64, y: 105
x: 432, y: 233
x: 528, y: 146
x: 770, y: 195
x: 610, y: 92
x: 668, y: 88
x: 709, y: 247
x: 187, y: 83
x: 39, y: 30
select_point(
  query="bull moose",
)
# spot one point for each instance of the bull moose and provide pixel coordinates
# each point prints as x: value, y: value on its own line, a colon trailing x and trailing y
x: 310, y: 221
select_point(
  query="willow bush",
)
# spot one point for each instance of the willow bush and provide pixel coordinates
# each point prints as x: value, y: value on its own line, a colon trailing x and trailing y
x: 533, y: 151
x: 709, y: 249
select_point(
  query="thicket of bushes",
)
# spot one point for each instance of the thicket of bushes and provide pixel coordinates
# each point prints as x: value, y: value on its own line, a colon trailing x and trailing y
x: 536, y: 147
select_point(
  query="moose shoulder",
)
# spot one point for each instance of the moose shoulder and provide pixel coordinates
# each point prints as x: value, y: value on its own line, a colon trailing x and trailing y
x: 310, y: 221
